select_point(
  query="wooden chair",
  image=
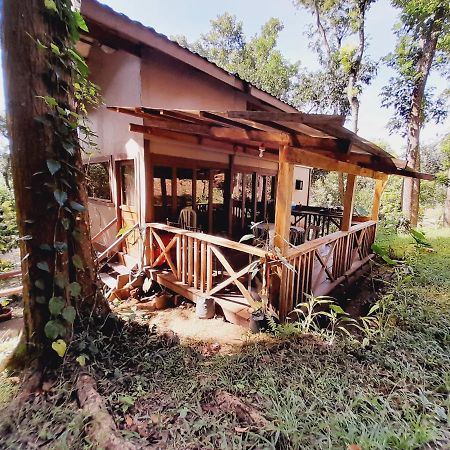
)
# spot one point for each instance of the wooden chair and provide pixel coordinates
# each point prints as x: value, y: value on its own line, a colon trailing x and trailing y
x: 186, y: 220
x: 296, y: 235
x: 312, y: 232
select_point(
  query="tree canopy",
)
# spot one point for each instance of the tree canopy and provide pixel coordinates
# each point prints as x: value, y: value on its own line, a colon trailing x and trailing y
x: 256, y: 60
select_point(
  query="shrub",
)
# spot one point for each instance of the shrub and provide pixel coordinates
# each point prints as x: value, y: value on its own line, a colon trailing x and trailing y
x: 8, y: 225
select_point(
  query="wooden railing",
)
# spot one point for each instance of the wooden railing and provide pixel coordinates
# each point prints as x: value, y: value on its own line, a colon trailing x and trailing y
x: 320, y: 265
x: 209, y: 264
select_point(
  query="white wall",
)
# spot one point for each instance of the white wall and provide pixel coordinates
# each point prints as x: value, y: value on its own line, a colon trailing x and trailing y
x: 301, y: 196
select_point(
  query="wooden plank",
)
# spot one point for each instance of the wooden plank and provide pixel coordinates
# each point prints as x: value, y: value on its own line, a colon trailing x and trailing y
x: 283, y: 203
x: 349, y: 198
x: 216, y: 240
x: 101, y: 232
x: 379, y: 188
x: 309, y: 158
x: 210, y: 201
x: 281, y: 116
x: 254, y: 196
x: 116, y: 243
x: 10, y: 274
x: 11, y: 291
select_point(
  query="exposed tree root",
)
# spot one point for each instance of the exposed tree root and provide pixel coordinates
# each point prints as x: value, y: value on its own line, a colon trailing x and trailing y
x: 245, y: 413
x: 102, y: 430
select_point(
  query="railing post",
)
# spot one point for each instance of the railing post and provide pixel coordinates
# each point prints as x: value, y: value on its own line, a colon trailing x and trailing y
x: 347, y: 214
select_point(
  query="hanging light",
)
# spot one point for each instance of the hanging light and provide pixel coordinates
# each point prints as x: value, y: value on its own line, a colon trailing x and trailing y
x: 261, y: 149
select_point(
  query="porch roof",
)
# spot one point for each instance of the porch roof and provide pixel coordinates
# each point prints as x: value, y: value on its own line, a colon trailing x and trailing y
x: 314, y: 140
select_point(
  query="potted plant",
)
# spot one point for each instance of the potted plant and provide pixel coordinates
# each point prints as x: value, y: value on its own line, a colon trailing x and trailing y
x: 5, y: 311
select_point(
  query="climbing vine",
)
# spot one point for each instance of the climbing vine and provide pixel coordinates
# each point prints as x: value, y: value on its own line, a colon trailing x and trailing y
x: 69, y: 94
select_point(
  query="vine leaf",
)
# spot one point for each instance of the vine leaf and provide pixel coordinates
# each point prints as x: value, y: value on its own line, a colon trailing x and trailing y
x: 60, y: 280
x: 42, y: 265
x: 40, y: 284
x: 60, y: 197
x: 56, y: 305
x: 69, y: 313
x: 41, y: 300
x: 77, y: 206
x: 65, y: 223
x: 53, y: 166
x: 53, y: 329
x: 81, y: 360
x: 81, y: 24
x: 75, y: 289
x: 60, y: 247
x: 60, y: 347
x: 51, y: 5
x: 77, y: 262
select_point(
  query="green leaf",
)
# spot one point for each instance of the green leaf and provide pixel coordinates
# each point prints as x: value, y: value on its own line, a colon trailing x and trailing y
x: 45, y: 247
x: 65, y: 223
x: 60, y: 280
x: 77, y: 206
x: 69, y: 147
x: 247, y: 237
x: 51, y: 101
x: 52, y: 329
x: 53, y: 166
x: 40, y: 284
x: 80, y: 21
x: 42, y: 265
x: 56, y: 305
x: 55, y: 49
x: 60, y: 347
x: 77, y: 262
x: 51, y: 5
x: 41, y: 300
x: 337, y: 309
x: 60, y: 247
x: 69, y: 313
x: 60, y: 197
x: 75, y: 289
x: 81, y: 360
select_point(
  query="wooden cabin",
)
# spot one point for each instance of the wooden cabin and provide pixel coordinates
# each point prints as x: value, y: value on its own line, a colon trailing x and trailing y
x: 179, y: 137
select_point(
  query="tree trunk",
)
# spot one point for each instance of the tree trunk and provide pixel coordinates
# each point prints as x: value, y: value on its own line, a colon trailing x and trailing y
x: 447, y: 204
x: 55, y: 245
x: 411, y: 186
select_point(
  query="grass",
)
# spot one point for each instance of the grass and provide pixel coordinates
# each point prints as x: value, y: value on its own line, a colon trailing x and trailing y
x: 392, y: 394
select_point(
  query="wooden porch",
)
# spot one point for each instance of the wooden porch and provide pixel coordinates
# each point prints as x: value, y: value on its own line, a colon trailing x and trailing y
x: 198, y: 266
x: 239, y: 277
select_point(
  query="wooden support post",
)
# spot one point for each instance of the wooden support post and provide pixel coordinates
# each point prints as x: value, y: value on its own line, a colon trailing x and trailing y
x: 349, y: 197
x: 229, y: 195
x: 283, y: 201
x: 174, y: 193
x: 254, y: 195
x: 149, y: 197
x: 379, y: 188
x: 210, y: 201
x: 243, y: 201
x: 194, y: 189
x: 264, y: 198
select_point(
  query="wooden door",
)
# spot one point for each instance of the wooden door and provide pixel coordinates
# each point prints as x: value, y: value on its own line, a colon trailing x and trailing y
x: 128, y: 205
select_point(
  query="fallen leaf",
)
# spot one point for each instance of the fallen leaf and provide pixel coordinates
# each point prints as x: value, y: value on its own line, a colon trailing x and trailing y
x: 354, y: 447
x: 129, y: 420
x: 241, y: 429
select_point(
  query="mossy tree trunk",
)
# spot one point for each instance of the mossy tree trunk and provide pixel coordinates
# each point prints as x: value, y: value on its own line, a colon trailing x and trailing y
x: 59, y: 276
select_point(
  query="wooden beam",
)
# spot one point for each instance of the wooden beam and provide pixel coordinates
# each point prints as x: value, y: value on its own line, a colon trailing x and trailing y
x: 254, y: 195
x: 348, y: 202
x: 210, y: 201
x: 283, y: 201
x: 150, y: 186
x: 296, y: 117
x: 229, y: 187
x: 379, y: 188
x: 174, y: 194
x: 309, y: 158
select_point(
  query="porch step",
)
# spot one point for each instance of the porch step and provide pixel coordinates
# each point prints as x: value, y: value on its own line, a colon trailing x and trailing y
x: 108, y: 280
x: 119, y: 268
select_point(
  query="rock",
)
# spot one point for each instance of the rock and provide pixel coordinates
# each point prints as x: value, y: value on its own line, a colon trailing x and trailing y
x: 164, y: 301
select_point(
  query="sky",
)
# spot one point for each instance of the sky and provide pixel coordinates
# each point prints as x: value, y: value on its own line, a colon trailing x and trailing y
x: 192, y: 17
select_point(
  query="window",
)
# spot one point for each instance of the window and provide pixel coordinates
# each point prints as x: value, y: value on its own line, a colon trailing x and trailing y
x: 298, y: 185
x: 97, y: 180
